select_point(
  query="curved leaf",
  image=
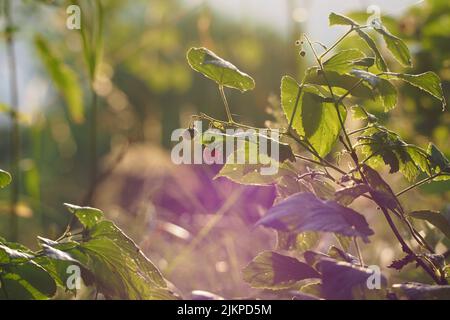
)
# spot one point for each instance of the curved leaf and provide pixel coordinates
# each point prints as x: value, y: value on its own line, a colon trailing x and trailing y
x: 305, y: 212
x: 379, y: 60
x: 219, y: 70
x: 343, y: 61
x: 339, y: 19
x: 428, y: 82
x: 396, y: 46
x: 88, y: 216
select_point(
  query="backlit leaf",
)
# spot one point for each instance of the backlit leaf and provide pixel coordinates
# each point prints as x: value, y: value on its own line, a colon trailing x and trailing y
x: 314, y: 118
x: 218, y: 69
x: 428, y: 82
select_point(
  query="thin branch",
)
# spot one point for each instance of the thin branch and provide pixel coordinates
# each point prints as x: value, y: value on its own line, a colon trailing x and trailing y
x: 225, y: 102
x: 418, y: 184
x: 336, y: 43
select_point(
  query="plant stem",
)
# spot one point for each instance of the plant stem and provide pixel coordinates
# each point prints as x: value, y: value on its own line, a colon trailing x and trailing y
x: 418, y: 184
x: 295, y: 108
x: 225, y: 102
x: 358, y: 130
x: 15, y: 129
x: 336, y: 43
x: 349, y: 91
x: 409, y: 251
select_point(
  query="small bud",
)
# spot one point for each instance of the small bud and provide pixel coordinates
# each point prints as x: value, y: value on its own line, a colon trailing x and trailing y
x: 303, y: 53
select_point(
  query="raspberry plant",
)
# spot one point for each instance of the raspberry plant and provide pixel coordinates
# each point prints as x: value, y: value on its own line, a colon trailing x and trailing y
x: 317, y: 111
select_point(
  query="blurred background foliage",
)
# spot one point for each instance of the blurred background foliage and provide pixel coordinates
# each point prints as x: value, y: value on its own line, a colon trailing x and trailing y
x: 197, y: 230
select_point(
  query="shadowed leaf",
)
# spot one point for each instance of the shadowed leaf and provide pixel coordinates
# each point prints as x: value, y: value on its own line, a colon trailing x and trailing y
x: 270, y: 270
x: 305, y: 212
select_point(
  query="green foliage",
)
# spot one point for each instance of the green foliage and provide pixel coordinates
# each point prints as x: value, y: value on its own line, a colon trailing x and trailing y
x: 315, y: 118
x: 109, y: 260
x: 428, y: 82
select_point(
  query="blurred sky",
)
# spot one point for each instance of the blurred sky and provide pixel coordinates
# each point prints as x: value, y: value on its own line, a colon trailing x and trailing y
x: 309, y: 15
x: 313, y: 13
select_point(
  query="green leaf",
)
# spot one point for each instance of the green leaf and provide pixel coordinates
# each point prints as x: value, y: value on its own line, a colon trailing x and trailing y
x: 270, y: 270
x: 379, y: 60
x: 297, y: 241
x: 5, y: 178
x: 396, y: 46
x: 421, y: 291
x: 26, y: 281
x: 382, y: 145
x: 109, y: 251
x: 437, y: 219
x: 339, y: 19
x: 428, y: 82
x: 359, y: 113
x: 315, y: 119
x: 65, y: 79
x: 343, y: 61
x: 315, y: 76
x: 384, y: 90
x: 438, y: 159
x: 364, y: 62
x: 388, y: 94
x: 221, y: 71
x: 56, y: 254
x: 88, y: 216
x: 250, y: 174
